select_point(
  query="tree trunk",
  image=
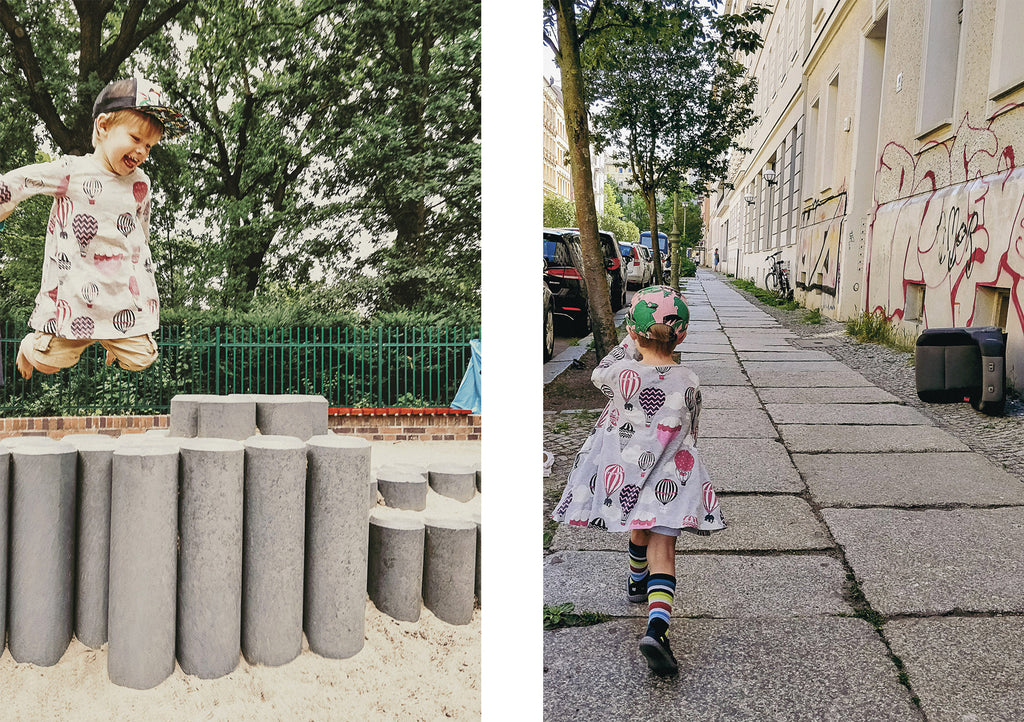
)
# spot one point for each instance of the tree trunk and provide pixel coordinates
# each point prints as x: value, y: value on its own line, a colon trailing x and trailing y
x: 651, y: 199
x: 578, y: 130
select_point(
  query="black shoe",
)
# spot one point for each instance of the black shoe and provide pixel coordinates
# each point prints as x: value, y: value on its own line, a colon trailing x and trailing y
x: 636, y: 592
x: 658, y: 654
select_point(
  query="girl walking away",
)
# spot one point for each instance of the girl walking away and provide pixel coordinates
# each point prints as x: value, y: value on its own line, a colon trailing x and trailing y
x: 639, y: 471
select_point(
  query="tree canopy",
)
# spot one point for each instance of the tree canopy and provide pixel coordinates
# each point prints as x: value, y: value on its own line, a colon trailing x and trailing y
x: 668, y: 94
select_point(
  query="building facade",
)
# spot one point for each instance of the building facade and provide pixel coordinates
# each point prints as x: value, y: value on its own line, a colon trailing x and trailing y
x: 883, y: 165
x: 557, y: 176
x: 557, y: 179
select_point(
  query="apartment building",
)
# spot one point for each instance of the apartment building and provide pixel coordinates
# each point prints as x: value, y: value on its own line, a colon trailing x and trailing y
x: 883, y: 164
x: 557, y: 178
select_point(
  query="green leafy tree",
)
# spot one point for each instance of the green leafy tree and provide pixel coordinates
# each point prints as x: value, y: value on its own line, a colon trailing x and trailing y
x: 558, y: 212
x: 59, y: 55
x: 612, y: 218
x: 665, y: 130
x: 566, y: 37
x: 411, y: 148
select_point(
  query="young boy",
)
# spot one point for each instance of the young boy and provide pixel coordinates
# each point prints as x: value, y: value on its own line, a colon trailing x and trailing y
x: 98, y: 281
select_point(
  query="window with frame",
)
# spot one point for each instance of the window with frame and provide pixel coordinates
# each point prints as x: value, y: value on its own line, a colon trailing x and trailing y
x: 1007, y: 71
x: 942, y: 31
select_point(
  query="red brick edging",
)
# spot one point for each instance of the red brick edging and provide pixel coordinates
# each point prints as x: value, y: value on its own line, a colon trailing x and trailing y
x: 371, y: 424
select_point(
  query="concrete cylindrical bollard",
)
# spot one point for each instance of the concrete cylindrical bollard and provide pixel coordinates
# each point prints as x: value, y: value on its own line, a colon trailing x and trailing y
x: 284, y: 415
x: 273, y: 556
x: 457, y: 481
x: 210, y: 557
x: 319, y: 409
x: 184, y: 421
x: 143, y: 565
x: 42, y: 554
x: 337, y: 527
x: 395, y: 569
x: 449, y: 561
x: 402, y: 489
x: 95, y: 452
x: 227, y: 417
x: 476, y: 519
x: 5, y: 498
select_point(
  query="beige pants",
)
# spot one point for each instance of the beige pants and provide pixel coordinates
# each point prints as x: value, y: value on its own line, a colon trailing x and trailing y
x: 133, y: 353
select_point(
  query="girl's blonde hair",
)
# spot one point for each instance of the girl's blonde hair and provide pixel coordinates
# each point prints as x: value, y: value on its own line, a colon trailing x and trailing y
x: 662, y: 339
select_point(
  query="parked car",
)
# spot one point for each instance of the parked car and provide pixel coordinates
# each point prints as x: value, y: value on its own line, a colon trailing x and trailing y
x: 563, y: 274
x: 549, y: 323
x: 645, y: 240
x: 640, y: 267
x: 614, y: 265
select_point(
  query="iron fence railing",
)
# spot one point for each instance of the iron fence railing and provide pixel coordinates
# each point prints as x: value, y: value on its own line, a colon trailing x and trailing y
x: 368, y: 367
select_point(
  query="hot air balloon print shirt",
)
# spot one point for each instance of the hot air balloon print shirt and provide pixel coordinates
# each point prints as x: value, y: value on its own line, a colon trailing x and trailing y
x: 98, y: 279
x: 640, y: 467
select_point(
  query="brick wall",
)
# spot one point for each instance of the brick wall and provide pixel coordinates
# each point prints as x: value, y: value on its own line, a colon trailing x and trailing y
x: 370, y: 424
x: 406, y: 424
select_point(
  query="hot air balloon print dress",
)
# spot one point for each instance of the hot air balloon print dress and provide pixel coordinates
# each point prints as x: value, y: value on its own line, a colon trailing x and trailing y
x: 98, y: 278
x: 640, y: 468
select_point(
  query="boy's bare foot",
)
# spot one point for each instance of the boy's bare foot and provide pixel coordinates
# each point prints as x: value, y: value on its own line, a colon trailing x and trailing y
x: 24, y: 367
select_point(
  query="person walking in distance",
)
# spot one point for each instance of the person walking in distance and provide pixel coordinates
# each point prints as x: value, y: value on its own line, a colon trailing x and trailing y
x: 639, y: 470
x: 716, y: 260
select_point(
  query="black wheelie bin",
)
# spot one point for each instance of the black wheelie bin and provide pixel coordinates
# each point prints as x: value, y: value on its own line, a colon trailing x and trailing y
x: 963, y: 364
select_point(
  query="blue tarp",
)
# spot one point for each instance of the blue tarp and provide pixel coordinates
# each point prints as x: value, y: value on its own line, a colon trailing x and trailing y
x: 468, y: 395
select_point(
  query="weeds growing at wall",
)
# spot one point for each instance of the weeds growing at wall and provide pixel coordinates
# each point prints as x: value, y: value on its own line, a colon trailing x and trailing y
x: 877, y: 328
x: 764, y: 295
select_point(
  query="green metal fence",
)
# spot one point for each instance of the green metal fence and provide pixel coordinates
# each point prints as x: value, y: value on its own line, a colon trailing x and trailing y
x: 369, y: 367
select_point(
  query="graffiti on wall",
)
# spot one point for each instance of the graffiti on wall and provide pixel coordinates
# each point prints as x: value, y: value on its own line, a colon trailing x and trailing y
x: 950, y: 219
x: 820, y: 240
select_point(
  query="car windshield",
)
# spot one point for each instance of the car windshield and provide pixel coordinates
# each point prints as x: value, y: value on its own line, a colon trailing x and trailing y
x: 549, y: 249
x: 624, y: 249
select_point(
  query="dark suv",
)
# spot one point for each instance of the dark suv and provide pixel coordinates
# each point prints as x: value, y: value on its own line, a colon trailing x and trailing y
x: 563, y: 273
x: 614, y: 265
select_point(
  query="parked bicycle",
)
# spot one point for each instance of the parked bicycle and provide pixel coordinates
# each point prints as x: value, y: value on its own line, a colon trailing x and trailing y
x: 777, y: 280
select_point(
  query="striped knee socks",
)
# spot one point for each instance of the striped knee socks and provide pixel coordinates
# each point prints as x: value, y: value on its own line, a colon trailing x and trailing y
x: 637, y: 562
x: 661, y: 589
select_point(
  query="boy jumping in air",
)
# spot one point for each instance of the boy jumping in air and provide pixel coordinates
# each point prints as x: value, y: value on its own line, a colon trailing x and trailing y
x: 98, y: 281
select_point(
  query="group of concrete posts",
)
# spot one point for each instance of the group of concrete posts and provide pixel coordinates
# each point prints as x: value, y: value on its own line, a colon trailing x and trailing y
x: 235, y: 416
x: 418, y: 558
x: 190, y: 546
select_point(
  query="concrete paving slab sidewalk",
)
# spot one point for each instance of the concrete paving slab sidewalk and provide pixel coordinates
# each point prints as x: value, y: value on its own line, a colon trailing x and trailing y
x: 934, y: 561
x: 754, y: 523
x: 728, y: 397
x: 806, y: 379
x: 938, y: 479
x: 725, y: 372
x: 736, y: 424
x: 827, y: 395
x: 809, y: 668
x: 751, y: 465
x: 843, y: 500
x: 787, y: 355
x: 812, y: 438
x: 964, y: 668
x: 846, y: 414
x: 747, y: 586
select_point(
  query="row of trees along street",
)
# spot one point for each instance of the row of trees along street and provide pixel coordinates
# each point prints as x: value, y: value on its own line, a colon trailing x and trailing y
x: 334, y: 158
x: 659, y: 83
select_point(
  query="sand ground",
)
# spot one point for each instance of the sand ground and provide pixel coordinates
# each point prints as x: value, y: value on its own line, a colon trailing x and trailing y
x: 424, y: 670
